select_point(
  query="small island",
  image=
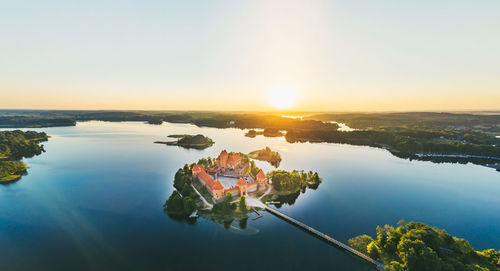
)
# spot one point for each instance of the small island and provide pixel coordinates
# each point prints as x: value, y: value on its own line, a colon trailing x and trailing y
x: 267, y: 155
x: 417, y: 246
x: 189, y: 141
x: 155, y: 121
x: 230, y: 187
x: 15, y: 145
x: 267, y: 132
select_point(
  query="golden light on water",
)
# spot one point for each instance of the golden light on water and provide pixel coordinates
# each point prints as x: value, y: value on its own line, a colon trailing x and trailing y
x: 283, y: 96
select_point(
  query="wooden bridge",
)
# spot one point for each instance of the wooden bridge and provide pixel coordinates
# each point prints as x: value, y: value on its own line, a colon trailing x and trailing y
x: 325, y: 237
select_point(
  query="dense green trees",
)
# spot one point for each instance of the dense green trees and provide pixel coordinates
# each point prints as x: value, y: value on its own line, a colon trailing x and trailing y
x: 406, y: 142
x: 35, y: 121
x: 293, y: 181
x: 416, y: 246
x: 15, y: 145
x: 243, y: 204
x: 189, y: 141
x: 182, y: 202
x: 178, y: 205
x: 361, y: 242
x: 268, y: 155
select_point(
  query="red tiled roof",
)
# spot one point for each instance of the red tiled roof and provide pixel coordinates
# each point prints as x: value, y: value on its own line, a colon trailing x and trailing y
x: 261, y: 174
x: 207, y: 179
x: 241, y: 182
x: 196, y: 168
x: 252, y: 183
x: 221, y: 155
x: 231, y: 189
x: 234, y: 158
x: 218, y: 185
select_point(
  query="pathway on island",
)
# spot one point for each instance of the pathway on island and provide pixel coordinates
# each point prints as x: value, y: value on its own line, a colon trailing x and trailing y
x: 267, y: 192
x: 202, y: 198
x: 255, y: 202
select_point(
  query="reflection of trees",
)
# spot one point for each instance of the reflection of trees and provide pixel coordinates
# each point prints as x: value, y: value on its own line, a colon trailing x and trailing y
x: 227, y: 224
x: 181, y: 218
x: 288, y: 199
x: 243, y: 223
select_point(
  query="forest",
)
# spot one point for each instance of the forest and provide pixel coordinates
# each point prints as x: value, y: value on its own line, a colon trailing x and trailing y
x: 15, y: 145
x: 416, y: 246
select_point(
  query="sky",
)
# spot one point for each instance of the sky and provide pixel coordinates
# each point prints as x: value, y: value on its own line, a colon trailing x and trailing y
x: 347, y: 55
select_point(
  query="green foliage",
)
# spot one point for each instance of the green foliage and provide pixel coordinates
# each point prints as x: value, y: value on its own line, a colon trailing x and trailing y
x: 192, y: 141
x: 35, y: 121
x: 416, y: 246
x: 268, y: 155
x: 415, y: 255
x: 15, y: 145
x: 243, y: 204
x: 178, y: 205
x: 360, y: 242
x: 293, y: 181
x: 207, y: 162
x: 414, y: 143
x: 253, y: 169
x: 372, y: 250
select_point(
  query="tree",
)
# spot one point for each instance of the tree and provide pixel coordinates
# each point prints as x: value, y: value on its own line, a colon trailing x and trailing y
x: 243, y: 204
x: 381, y: 237
x: 394, y: 266
x: 415, y: 256
x: 189, y: 205
x: 186, y: 190
x: 373, y: 250
x: 175, y: 204
x: 360, y: 243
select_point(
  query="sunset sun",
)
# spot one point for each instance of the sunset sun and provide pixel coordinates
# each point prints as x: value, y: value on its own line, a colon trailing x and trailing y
x: 282, y: 97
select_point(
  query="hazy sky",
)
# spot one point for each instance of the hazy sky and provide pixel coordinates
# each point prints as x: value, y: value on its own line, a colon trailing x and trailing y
x: 337, y: 55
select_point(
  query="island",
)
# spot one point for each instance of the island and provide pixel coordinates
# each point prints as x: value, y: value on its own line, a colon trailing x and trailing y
x: 229, y: 187
x: 267, y: 155
x: 417, y: 246
x: 155, y: 121
x: 15, y: 145
x: 267, y: 132
x: 189, y: 141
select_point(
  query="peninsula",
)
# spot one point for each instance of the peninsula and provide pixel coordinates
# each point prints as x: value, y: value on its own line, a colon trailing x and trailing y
x: 189, y: 141
x: 15, y: 145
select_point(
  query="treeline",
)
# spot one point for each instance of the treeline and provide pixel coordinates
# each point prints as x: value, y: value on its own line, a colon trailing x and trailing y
x: 411, y: 119
x: 209, y: 119
x: 416, y: 246
x: 23, y: 121
x: 406, y: 142
x: 293, y: 181
x: 15, y: 145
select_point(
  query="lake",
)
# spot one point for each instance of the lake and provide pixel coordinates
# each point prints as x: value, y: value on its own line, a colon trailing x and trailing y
x: 93, y: 201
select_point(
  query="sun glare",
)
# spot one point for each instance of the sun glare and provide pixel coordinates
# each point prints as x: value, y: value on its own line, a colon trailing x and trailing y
x: 283, y: 97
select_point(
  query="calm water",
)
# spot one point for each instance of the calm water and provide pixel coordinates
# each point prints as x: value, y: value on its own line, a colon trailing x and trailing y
x: 94, y: 201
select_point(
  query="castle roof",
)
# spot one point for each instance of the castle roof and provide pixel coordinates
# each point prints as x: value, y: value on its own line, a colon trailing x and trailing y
x: 218, y: 185
x: 261, y: 175
x: 241, y: 182
x: 234, y: 158
x: 207, y: 179
x: 196, y: 168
